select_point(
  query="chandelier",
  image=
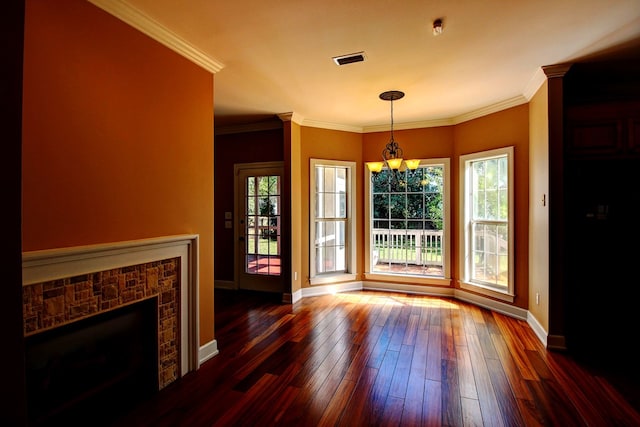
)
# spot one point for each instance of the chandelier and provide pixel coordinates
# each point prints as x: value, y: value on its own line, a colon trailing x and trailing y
x: 392, y: 153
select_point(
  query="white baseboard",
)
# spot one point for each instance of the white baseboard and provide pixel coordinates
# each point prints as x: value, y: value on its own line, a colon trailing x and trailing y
x: 208, y: 351
x: 317, y: 290
x: 500, y: 307
x: 537, y: 328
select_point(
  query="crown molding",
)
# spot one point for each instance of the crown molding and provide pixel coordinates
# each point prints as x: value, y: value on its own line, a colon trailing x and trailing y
x: 534, y: 84
x: 138, y: 20
x: 490, y: 109
x: 554, y: 71
x: 410, y: 125
x: 332, y: 126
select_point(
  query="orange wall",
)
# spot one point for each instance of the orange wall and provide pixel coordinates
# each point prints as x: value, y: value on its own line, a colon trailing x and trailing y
x: 331, y: 145
x: 117, y: 137
x: 423, y: 143
x: 505, y: 128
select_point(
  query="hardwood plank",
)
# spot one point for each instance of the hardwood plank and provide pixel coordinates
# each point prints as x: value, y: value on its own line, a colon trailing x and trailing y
x: 432, y: 405
x: 486, y: 395
x: 466, y: 379
x: 434, y: 353
x: 504, y: 394
x: 400, y: 379
x: 334, y: 411
x: 354, y: 412
x: 471, y: 415
x: 451, y: 404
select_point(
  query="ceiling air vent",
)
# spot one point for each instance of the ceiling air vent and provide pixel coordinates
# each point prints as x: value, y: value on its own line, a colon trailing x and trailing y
x: 349, y: 59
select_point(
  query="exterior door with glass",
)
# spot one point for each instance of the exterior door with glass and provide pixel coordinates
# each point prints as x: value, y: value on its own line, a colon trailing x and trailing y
x: 259, y: 231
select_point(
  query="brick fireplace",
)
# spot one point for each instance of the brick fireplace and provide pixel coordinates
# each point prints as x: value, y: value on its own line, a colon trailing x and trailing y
x: 64, y: 289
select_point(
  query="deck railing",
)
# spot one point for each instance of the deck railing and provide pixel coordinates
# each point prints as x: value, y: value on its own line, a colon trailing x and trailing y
x: 416, y: 247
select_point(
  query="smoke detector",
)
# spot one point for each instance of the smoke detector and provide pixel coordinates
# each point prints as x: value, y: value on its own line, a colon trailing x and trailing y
x: 437, y: 27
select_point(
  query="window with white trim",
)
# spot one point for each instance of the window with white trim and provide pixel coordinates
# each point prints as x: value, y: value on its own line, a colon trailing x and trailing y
x: 486, y: 222
x: 407, y: 224
x: 332, y: 224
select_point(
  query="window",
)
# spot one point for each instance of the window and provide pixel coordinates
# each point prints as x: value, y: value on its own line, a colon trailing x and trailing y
x: 486, y: 238
x: 408, y: 232
x: 332, y: 227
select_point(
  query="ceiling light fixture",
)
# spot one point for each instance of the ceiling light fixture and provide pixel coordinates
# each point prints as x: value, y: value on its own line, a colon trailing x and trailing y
x: 392, y: 153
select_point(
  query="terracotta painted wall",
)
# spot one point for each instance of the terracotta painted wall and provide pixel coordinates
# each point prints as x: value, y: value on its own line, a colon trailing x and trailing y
x: 423, y: 143
x: 117, y: 137
x: 502, y: 129
x: 333, y: 145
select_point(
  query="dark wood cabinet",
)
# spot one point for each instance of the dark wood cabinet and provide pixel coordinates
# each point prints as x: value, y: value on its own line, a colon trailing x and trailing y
x: 603, y: 130
x: 600, y: 160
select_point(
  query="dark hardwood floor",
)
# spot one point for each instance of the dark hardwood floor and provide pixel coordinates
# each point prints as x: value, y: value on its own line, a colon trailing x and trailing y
x: 376, y: 358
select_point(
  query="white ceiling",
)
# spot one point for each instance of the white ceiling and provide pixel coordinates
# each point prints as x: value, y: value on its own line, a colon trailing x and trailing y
x: 273, y: 57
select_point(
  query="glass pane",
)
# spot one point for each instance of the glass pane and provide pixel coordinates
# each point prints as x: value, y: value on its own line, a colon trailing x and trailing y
x: 479, y: 211
x: 379, y: 224
x: 251, y: 225
x: 330, y: 259
x: 320, y: 233
x: 342, y: 205
x: 251, y: 246
x: 251, y: 206
x: 491, y: 204
x: 380, y: 207
x: 491, y: 174
x: 503, y: 196
x: 263, y: 185
x: 340, y: 233
x: 381, y: 185
x: 274, y: 202
x: 398, y: 206
x: 330, y: 237
x: 320, y: 260
x: 341, y: 180
x: 414, y: 182
x: 319, y: 179
x: 415, y: 225
x: 340, y: 258
x: 251, y: 185
x: 264, y: 206
x: 415, y: 208
x: 329, y: 206
x: 329, y: 180
x: 398, y: 225
x: 274, y: 185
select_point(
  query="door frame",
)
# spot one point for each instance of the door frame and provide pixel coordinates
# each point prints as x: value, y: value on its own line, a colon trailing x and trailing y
x: 238, y: 214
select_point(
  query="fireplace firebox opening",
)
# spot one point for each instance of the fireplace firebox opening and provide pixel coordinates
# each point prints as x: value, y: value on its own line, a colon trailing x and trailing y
x: 94, y: 367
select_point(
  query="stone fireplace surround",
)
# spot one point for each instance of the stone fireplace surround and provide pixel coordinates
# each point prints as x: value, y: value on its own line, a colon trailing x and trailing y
x: 61, y: 286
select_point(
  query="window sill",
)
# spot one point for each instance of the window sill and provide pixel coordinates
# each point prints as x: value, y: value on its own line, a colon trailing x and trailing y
x: 416, y: 280
x: 483, y: 290
x: 332, y: 278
